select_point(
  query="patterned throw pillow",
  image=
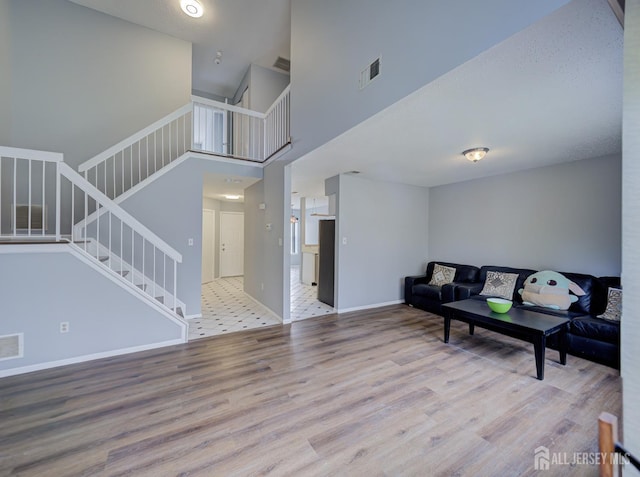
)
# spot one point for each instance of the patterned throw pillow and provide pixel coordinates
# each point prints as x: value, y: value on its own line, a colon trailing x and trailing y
x: 442, y: 275
x: 500, y: 284
x: 614, y: 305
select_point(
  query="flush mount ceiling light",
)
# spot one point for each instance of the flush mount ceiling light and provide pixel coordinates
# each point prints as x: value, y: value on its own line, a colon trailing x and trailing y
x: 231, y: 197
x: 193, y: 8
x: 475, y: 154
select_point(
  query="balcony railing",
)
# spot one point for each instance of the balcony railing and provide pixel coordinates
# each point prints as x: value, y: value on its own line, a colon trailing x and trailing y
x: 204, y: 126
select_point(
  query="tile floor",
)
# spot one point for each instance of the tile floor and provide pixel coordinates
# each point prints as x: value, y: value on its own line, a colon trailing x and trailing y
x: 226, y: 308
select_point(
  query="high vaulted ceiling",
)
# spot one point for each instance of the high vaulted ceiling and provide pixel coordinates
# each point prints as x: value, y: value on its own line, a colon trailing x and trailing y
x: 246, y: 31
x: 551, y: 93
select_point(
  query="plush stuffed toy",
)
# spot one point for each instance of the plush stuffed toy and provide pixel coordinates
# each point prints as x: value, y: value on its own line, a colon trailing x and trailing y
x: 550, y: 289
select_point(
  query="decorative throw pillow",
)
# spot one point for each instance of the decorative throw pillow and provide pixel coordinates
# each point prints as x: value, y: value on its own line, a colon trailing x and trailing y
x: 442, y: 275
x: 500, y: 284
x: 613, y: 311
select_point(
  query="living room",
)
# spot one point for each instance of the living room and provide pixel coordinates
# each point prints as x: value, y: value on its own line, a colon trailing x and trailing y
x: 551, y: 216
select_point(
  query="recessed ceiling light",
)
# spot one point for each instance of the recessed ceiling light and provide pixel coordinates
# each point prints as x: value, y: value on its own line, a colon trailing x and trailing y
x: 231, y: 197
x: 193, y: 8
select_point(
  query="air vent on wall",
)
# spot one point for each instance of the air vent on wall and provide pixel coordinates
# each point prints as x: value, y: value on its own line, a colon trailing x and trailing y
x: 11, y: 346
x: 370, y: 73
x: 283, y: 64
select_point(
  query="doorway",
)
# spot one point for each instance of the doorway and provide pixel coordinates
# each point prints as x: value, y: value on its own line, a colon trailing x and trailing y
x: 231, y: 244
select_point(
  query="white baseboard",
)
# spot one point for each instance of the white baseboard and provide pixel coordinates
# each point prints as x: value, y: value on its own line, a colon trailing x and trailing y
x: 89, y: 357
x: 368, y: 307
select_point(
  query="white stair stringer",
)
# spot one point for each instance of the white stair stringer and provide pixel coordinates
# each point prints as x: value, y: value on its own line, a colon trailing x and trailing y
x: 122, y: 271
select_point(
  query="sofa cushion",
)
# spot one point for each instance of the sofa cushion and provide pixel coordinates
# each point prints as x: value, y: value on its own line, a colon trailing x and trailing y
x: 595, y: 328
x: 523, y: 273
x: 569, y: 314
x: 427, y: 291
x: 442, y: 275
x: 499, y: 284
x: 613, y: 312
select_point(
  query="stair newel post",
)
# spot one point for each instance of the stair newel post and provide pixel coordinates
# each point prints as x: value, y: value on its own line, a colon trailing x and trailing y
x: 58, y: 203
x: 192, y: 125
x: 175, y: 285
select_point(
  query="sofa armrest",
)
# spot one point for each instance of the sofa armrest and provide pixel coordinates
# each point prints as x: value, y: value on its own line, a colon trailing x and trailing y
x: 408, y: 285
x: 448, y: 292
x: 466, y: 290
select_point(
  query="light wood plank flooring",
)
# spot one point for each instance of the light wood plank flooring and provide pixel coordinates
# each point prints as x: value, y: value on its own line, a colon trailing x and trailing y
x: 368, y: 393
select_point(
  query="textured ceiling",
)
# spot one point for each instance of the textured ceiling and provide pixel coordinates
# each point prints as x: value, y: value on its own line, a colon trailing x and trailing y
x: 549, y: 94
x: 246, y: 31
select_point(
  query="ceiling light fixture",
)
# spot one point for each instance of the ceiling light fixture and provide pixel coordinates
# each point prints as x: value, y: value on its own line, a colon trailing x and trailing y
x: 475, y: 154
x: 193, y: 8
x: 231, y: 197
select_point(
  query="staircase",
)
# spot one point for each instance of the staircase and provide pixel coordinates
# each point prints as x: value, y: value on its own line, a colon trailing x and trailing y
x: 43, y: 199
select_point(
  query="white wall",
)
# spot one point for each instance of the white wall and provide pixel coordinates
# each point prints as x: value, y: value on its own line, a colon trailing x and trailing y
x: 48, y: 288
x: 254, y: 245
x: 171, y: 207
x: 564, y: 217
x: 332, y: 41
x: 385, y: 226
x: 630, y: 326
x: 83, y: 80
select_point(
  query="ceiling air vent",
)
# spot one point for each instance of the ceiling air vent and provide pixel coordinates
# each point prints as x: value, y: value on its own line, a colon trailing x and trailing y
x: 11, y: 346
x: 283, y: 64
x: 370, y: 73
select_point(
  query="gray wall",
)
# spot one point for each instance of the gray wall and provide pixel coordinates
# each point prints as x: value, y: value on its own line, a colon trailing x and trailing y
x: 333, y: 41
x: 564, y: 217
x: 630, y: 326
x: 385, y: 226
x: 219, y: 206
x: 83, y: 80
x: 265, y: 258
x: 5, y: 73
x: 264, y: 84
x: 48, y: 288
x: 171, y: 207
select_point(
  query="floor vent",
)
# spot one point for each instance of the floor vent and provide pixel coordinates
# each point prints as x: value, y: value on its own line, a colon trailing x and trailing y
x: 11, y: 346
x: 370, y: 73
x: 283, y: 64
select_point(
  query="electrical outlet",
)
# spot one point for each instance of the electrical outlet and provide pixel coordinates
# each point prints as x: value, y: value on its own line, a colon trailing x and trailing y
x: 64, y: 327
x: 190, y: 242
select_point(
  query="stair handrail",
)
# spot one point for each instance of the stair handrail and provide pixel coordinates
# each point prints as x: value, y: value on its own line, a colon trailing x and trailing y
x: 227, y: 107
x: 88, y: 164
x: 20, y: 153
x: 284, y: 93
x: 118, y: 211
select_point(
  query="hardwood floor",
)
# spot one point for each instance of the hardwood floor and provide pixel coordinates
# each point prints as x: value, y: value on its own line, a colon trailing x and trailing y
x: 369, y: 393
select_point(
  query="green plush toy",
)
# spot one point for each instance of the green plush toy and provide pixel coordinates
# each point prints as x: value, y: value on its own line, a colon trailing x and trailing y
x: 550, y: 289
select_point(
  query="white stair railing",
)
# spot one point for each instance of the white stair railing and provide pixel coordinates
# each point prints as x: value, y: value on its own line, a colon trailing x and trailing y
x: 42, y: 197
x: 203, y: 125
x: 29, y: 194
x: 121, y: 167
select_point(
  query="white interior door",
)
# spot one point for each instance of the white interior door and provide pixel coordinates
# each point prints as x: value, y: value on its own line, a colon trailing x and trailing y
x: 208, y: 244
x: 231, y: 244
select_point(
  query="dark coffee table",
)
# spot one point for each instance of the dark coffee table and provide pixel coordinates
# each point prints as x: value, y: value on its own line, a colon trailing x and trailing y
x: 520, y: 323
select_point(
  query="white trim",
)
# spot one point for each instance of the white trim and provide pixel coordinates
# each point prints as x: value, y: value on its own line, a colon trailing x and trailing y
x: 368, y: 307
x: 236, y: 161
x: 135, y: 137
x: 275, y: 315
x: 277, y: 155
x: 35, y: 247
x: 193, y: 317
x: 227, y: 107
x: 19, y: 153
x: 89, y: 357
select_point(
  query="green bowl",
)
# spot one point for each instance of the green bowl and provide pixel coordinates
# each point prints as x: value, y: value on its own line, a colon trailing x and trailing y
x: 499, y: 305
